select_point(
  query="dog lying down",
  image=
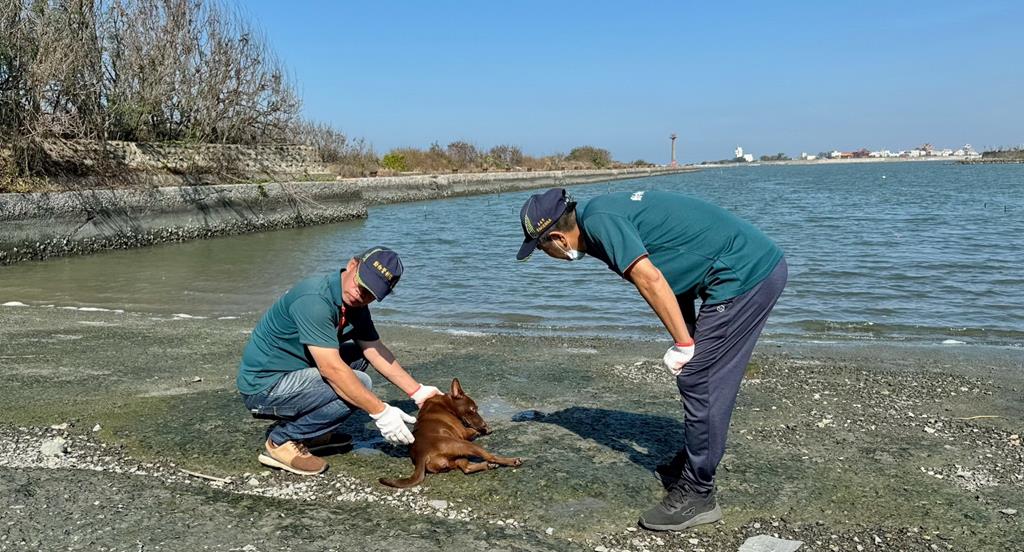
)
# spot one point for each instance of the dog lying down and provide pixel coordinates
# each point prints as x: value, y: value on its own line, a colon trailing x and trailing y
x: 444, y: 428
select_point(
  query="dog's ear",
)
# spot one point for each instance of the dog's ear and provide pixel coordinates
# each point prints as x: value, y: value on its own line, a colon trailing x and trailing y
x: 456, y: 389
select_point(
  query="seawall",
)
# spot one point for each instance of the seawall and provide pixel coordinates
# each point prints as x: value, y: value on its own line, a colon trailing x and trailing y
x: 43, y: 225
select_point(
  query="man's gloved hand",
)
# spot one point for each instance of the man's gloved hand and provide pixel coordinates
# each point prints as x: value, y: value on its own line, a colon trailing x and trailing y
x: 423, y: 393
x: 677, y: 356
x: 391, y: 423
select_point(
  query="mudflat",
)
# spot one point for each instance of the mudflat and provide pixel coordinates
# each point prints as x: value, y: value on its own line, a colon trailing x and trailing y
x: 112, y: 419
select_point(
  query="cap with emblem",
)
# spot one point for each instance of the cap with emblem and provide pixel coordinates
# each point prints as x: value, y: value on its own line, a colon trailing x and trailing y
x: 538, y: 216
x: 379, y: 271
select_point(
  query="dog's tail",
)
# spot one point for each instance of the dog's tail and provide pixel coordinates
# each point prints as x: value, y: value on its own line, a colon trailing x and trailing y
x: 415, y: 479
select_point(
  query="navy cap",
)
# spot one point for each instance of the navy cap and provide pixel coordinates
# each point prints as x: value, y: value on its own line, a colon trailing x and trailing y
x: 538, y: 216
x: 379, y: 271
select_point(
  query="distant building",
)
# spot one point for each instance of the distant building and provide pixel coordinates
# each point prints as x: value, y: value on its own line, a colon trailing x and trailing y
x: 738, y: 153
x: 836, y: 154
x: 748, y: 157
x: 805, y: 157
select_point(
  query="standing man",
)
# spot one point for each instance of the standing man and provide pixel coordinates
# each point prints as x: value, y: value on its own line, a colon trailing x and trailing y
x: 674, y: 249
x: 299, y: 369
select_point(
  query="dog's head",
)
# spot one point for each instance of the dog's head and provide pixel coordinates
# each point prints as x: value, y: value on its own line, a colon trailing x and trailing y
x: 465, y: 409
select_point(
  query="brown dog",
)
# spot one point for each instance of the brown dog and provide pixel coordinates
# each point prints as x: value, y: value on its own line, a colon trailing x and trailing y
x: 444, y: 427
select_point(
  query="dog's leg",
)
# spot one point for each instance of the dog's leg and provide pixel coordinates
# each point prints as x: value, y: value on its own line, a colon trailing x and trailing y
x: 476, y: 450
x: 470, y: 467
x: 469, y: 433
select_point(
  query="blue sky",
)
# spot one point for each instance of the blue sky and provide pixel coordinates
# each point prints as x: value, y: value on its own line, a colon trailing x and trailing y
x: 548, y: 76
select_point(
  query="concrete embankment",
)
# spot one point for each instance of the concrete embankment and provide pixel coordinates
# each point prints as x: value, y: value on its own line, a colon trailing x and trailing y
x: 42, y: 225
x: 398, y: 189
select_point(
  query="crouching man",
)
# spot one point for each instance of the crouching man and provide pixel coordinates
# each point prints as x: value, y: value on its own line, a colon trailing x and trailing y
x: 305, y: 363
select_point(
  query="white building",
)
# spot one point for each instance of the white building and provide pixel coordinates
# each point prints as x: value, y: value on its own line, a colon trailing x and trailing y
x: 748, y: 157
x: 805, y: 157
x: 836, y: 154
x: 738, y: 152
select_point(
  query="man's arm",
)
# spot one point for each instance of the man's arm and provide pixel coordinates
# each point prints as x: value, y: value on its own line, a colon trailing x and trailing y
x: 654, y: 288
x: 383, y: 360
x: 343, y: 380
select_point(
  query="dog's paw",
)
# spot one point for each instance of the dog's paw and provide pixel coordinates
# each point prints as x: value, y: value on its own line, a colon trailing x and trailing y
x: 492, y: 465
x: 517, y: 462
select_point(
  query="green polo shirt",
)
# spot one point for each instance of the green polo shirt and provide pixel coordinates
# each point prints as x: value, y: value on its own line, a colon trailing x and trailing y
x: 702, y: 249
x: 308, y: 314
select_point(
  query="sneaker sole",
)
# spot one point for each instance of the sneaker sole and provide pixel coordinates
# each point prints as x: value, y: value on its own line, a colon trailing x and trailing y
x: 710, y: 516
x: 266, y: 460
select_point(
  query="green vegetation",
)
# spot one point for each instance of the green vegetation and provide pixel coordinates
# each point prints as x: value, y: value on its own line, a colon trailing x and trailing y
x: 462, y: 156
x: 1005, y: 154
x: 596, y: 157
x: 776, y: 157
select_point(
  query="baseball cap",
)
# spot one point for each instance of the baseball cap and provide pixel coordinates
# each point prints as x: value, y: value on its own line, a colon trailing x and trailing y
x: 379, y: 271
x: 538, y: 216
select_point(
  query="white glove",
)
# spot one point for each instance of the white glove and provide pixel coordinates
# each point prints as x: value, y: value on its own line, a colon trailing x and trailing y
x: 391, y: 423
x: 423, y: 393
x: 677, y: 356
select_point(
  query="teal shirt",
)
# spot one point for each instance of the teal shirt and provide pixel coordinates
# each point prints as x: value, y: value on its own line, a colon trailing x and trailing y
x: 308, y: 314
x: 702, y: 249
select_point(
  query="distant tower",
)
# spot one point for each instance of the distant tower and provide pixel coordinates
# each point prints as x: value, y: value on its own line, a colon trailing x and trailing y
x: 673, y: 137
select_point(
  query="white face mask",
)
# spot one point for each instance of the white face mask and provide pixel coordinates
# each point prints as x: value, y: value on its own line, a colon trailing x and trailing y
x: 572, y: 254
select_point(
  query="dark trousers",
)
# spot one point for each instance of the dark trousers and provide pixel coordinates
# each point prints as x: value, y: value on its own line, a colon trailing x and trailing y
x: 725, y: 334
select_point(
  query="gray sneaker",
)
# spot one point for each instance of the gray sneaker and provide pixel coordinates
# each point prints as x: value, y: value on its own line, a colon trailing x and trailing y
x: 681, y: 509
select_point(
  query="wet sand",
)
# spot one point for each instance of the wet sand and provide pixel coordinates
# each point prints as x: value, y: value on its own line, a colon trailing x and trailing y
x: 843, y: 447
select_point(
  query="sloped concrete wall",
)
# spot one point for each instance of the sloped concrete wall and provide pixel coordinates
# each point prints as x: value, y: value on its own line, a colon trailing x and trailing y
x: 42, y: 225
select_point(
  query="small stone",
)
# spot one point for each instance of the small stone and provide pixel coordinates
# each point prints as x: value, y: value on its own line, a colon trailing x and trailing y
x: 1008, y: 511
x: 764, y: 543
x: 550, y: 530
x: 929, y: 429
x: 53, y: 447
x: 196, y: 379
x: 253, y: 482
x: 438, y: 504
x: 600, y: 549
x: 96, y: 428
x: 60, y: 427
x: 694, y: 541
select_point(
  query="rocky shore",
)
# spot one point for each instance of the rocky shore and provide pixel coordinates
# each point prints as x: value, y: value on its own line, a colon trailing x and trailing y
x: 43, y: 225
x: 105, y: 446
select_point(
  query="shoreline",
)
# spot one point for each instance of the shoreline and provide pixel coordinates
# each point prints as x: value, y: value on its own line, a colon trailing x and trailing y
x: 38, y: 226
x: 831, y: 446
x: 803, y: 162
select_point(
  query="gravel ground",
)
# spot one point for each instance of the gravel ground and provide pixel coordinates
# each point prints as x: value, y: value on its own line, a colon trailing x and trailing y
x: 843, y: 448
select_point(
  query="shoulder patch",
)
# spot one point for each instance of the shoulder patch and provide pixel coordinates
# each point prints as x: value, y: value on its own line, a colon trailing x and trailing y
x: 637, y: 196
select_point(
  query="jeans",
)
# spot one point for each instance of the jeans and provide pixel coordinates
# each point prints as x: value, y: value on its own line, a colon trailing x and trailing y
x: 725, y: 334
x: 303, y: 405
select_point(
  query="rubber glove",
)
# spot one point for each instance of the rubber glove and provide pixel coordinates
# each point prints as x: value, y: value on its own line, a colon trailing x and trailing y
x: 677, y: 356
x: 424, y: 392
x: 391, y: 423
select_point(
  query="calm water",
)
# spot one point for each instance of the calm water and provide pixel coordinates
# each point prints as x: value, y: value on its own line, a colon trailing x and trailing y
x: 908, y: 252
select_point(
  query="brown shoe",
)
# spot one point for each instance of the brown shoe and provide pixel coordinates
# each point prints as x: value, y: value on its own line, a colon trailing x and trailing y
x: 293, y: 457
x: 328, y: 442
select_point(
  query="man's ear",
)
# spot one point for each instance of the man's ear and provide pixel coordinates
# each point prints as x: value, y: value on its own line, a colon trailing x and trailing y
x: 352, y: 264
x: 556, y: 236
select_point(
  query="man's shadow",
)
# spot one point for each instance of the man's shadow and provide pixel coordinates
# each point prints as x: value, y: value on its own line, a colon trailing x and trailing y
x: 364, y: 436
x: 648, y: 441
